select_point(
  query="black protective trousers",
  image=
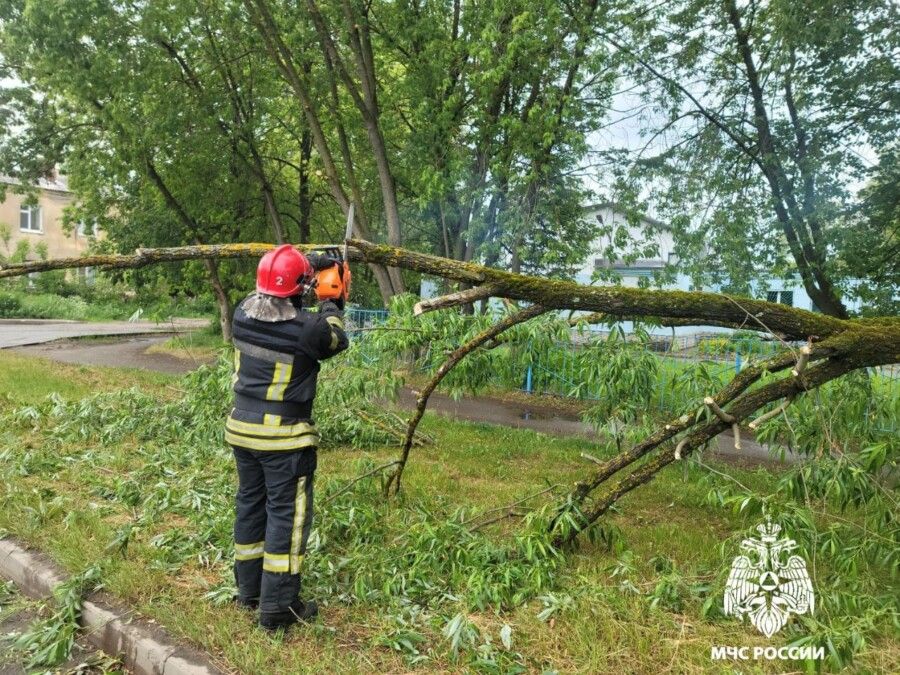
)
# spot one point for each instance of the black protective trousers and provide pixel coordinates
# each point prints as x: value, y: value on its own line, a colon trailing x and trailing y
x: 274, y: 512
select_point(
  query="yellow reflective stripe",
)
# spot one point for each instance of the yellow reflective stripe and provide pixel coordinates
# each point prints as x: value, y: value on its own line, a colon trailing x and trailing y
x: 265, y: 444
x: 297, y: 532
x: 248, y: 556
x: 249, y: 551
x: 255, y: 429
x: 280, y: 379
x: 237, y: 367
x: 334, y: 322
x: 276, y: 562
x: 272, y: 420
x: 250, y: 548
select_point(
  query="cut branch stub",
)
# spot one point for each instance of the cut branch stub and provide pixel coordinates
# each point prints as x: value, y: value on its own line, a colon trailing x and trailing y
x: 721, y: 414
x: 463, y: 297
x: 805, y: 352
x: 762, y: 419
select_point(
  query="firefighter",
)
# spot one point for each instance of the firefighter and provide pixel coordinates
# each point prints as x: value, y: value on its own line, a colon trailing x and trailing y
x: 278, y: 346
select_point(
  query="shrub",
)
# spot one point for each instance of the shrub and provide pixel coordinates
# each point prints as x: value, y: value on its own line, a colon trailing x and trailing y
x: 49, y: 306
x: 54, y: 282
x: 10, y: 305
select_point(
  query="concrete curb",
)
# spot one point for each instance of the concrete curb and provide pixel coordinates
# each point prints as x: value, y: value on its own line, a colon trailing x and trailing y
x: 144, y: 650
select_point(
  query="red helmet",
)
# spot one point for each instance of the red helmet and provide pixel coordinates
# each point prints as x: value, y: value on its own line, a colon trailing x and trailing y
x: 282, y: 271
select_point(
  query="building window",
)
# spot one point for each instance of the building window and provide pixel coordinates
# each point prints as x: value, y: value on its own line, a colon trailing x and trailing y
x: 87, y: 229
x: 782, y: 297
x: 30, y: 219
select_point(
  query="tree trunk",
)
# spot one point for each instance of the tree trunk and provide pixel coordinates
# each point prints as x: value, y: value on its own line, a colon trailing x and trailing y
x: 304, y: 202
x: 226, y: 311
x: 834, y: 346
x: 281, y: 54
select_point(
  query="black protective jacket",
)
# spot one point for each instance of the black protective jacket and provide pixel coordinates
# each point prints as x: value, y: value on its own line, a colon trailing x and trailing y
x: 276, y: 367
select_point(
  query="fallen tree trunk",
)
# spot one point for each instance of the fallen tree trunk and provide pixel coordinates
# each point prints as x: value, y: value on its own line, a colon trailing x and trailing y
x: 690, y: 308
x: 835, y: 346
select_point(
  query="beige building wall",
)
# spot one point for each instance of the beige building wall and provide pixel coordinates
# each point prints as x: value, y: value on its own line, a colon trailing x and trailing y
x: 51, y: 201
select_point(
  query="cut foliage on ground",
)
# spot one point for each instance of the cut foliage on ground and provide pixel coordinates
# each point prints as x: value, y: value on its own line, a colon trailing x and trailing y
x: 459, y: 572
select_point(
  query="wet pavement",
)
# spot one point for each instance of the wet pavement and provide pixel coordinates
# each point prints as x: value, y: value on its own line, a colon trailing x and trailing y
x: 128, y: 352
x: 523, y: 416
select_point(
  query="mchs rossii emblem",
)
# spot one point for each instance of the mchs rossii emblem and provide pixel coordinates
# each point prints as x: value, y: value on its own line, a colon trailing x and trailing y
x: 766, y: 584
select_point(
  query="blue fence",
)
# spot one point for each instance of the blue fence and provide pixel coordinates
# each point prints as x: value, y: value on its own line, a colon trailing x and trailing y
x: 358, y: 320
x: 721, y: 356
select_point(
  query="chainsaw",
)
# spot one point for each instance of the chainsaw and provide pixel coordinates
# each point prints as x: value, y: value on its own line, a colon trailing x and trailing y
x: 333, y: 283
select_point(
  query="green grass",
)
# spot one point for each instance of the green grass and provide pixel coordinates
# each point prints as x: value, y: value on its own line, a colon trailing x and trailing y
x: 27, y: 379
x: 195, y: 346
x: 52, y: 496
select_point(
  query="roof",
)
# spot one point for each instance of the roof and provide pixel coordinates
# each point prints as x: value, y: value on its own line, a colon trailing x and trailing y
x: 57, y: 183
x: 614, y: 206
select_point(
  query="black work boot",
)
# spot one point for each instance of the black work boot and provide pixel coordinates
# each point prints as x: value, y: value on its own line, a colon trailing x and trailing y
x: 246, y: 603
x: 297, y: 612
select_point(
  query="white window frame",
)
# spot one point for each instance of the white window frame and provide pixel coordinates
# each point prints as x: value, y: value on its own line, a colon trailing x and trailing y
x: 32, y: 211
x: 82, y: 230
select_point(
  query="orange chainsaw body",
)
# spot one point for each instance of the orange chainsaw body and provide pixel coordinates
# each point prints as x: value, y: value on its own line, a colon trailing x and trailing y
x: 333, y: 282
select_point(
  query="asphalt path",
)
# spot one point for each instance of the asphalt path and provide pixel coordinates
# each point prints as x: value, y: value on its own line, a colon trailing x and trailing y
x: 22, y: 332
x: 114, y: 352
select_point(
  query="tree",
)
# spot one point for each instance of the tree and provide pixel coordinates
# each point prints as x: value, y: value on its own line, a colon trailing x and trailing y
x: 834, y: 348
x: 472, y: 116
x: 464, y: 121
x: 760, y: 115
x: 870, y: 237
x: 169, y: 122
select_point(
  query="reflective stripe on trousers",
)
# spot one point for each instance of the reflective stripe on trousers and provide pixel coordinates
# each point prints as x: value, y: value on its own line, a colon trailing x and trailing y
x: 274, y: 511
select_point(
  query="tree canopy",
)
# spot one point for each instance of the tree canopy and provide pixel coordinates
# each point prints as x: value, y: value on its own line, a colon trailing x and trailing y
x: 469, y: 129
x: 762, y: 121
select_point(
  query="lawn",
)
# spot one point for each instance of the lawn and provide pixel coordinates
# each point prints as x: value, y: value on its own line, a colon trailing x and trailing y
x: 397, y: 579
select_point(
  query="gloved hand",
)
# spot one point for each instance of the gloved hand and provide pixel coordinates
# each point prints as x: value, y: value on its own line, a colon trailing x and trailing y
x: 321, y: 261
x: 331, y: 306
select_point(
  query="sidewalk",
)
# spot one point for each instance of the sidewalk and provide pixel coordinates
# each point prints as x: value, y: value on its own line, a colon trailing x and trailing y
x: 22, y: 332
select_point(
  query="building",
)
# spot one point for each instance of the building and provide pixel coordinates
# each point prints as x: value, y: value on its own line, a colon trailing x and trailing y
x: 650, y: 234
x: 41, y: 225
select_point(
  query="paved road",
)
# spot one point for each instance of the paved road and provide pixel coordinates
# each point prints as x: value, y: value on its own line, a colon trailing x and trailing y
x: 21, y: 332
x: 116, y: 352
x: 534, y: 417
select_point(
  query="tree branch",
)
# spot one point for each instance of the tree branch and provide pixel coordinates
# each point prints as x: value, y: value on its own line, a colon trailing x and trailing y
x: 463, y: 297
x: 448, y: 365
